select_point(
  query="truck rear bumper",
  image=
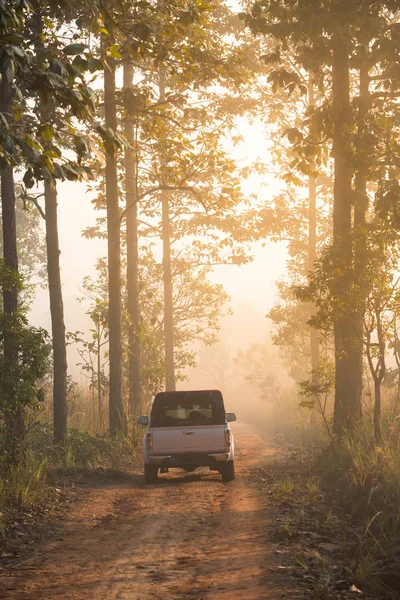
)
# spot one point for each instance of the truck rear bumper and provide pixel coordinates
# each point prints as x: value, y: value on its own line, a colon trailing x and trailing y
x: 192, y: 459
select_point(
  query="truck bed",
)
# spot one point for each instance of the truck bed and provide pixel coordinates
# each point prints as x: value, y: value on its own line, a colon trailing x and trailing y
x: 177, y: 440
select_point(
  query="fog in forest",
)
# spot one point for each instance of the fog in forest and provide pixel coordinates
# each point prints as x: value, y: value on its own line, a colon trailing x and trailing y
x: 251, y: 288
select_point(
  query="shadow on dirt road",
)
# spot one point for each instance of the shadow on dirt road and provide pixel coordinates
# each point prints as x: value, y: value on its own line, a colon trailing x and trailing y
x: 188, y: 536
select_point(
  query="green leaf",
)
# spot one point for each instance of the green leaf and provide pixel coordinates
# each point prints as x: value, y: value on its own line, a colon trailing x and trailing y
x: 81, y: 148
x: 56, y: 66
x: 53, y: 152
x: 4, y: 122
x: 73, y: 49
x: 95, y: 64
x: 46, y: 132
x: 81, y: 63
x: 28, y: 179
x: 56, y: 81
x: 114, y: 51
x: 59, y: 172
x: 9, y: 69
x: 12, y: 38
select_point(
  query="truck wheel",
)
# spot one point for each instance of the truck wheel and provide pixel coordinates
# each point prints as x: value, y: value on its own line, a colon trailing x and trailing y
x: 150, y: 474
x: 228, y: 471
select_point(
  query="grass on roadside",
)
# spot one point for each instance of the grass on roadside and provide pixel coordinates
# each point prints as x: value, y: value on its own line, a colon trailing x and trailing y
x: 35, y: 485
x: 342, y: 509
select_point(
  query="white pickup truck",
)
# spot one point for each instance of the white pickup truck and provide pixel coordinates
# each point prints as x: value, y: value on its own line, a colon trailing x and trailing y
x: 188, y: 430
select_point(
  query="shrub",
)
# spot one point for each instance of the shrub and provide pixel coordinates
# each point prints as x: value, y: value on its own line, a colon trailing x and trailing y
x: 24, y: 486
x: 367, y: 477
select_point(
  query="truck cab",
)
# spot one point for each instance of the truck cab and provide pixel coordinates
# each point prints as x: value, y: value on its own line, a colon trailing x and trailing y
x: 187, y: 430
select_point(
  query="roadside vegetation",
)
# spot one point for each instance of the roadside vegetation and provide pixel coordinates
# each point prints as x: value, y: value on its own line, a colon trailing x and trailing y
x: 37, y: 488
x: 339, y: 504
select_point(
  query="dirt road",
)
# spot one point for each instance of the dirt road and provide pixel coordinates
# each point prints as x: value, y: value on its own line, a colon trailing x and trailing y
x: 189, y: 536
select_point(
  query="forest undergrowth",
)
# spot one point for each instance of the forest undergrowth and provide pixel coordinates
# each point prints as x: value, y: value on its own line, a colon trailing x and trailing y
x: 36, y: 487
x: 341, y: 506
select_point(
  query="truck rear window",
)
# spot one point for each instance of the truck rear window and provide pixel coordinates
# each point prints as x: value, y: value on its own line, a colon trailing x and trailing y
x: 183, y: 414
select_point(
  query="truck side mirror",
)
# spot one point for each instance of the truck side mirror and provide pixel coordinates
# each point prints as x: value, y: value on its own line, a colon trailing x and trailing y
x: 143, y: 420
x: 230, y: 417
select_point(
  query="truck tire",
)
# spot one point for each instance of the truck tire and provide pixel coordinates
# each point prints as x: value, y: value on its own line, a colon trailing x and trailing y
x: 150, y: 474
x: 228, y: 471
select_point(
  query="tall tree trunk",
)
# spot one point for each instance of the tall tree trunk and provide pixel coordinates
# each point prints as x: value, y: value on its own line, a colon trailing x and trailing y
x: 377, y: 410
x: 132, y: 255
x: 167, y: 279
x: 377, y: 370
x: 378, y: 378
x: 347, y: 408
x: 15, y: 422
x: 360, y: 214
x: 312, y: 241
x: 60, y: 366
x: 168, y: 299
x: 10, y: 296
x: 312, y: 255
x: 57, y: 314
x: 99, y: 394
x: 116, y: 409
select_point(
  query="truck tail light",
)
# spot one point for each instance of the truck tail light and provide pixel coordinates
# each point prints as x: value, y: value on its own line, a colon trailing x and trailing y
x: 149, y: 441
x: 228, y: 438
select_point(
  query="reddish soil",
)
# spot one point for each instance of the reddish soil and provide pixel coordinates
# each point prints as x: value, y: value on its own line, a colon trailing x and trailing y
x: 189, y: 536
